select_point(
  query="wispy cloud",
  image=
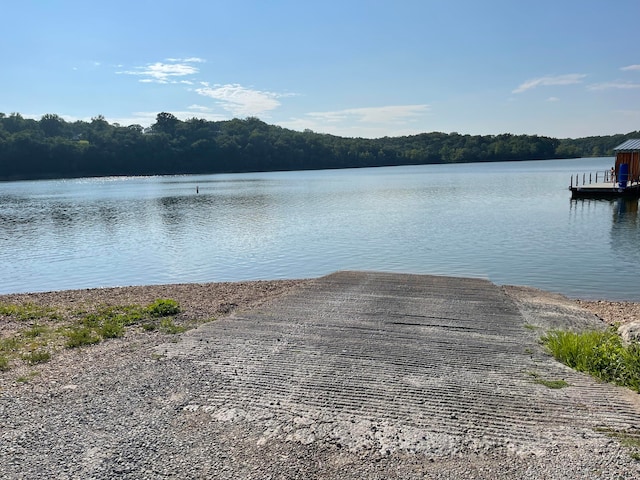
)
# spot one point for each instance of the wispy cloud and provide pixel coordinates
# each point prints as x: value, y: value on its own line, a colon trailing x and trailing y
x: 149, y: 118
x: 631, y: 68
x: 618, y: 85
x: 165, y: 72
x: 553, y: 99
x: 568, y: 79
x: 387, y: 114
x: 186, y: 60
x: 242, y: 101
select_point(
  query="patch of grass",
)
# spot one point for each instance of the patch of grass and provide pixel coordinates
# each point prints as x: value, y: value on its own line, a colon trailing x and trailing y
x: 37, y: 356
x: 528, y: 326
x: 79, y: 336
x: 628, y: 440
x: 600, y: 353
x: 35, y: 331
x: 554, y: 384
x: 112, y: 328
x: 27, y: 378
x: 38, y: 339
x: 163, y: 307
x: 29, y: 311
x: 10, y: 344
x: 167, y: 326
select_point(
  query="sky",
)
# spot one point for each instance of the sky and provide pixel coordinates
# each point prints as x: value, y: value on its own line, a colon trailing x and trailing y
x: 560, y: 68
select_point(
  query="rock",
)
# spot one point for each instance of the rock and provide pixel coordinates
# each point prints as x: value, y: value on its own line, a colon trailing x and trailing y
x: 630, y: 332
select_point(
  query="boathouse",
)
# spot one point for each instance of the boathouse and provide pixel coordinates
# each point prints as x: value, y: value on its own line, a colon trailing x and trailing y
x: 628, y: 161
x: 625, y: 181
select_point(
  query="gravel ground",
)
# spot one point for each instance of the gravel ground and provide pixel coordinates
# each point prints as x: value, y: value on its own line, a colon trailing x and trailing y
x: 80, y: 389
x: 612, y: 312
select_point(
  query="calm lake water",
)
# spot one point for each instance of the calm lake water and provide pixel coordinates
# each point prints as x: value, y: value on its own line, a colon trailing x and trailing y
x: 513, y: 223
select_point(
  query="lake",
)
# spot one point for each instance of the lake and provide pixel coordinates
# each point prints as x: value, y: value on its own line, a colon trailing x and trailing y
x: 512, y: 223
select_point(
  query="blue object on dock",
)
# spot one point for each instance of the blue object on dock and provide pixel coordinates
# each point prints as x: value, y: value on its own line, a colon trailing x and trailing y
x: 623, y: 175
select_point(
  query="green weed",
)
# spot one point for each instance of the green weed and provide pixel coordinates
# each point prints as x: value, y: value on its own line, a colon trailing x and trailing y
x: 112, y: 328
x: 600, y: 353
x: 167, y: 326
x: 80, y: 326
x: 10, y: 344
x: 79, y: 336
x: 163, y: 307
x: 629, y: 440
x: 37, y: 356
x: 554, y: 384
x: 35, y: 331
x: 29, y: 311
x: 27, y: 378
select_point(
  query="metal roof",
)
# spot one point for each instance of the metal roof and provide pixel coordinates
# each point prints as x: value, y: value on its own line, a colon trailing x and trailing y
x: 631, y: 144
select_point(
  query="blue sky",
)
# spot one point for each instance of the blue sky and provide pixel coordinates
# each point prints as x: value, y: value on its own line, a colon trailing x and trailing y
x: 563, y: 68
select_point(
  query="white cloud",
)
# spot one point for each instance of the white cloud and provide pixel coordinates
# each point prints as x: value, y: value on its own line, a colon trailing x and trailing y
x: 368, y: 122
x: 200, y: 108
x: 186, y: 60
x: 631, y: 68
x: 241, y: 101
x: 568, y: 79
x: 160, y: 72
x: 614, y: 85
x: 387, y: 114
x: 553, y: 99
x: 148, y: 118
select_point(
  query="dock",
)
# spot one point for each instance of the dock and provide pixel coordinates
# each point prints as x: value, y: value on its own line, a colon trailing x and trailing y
x: 622, y: 181
x: 605, y: 190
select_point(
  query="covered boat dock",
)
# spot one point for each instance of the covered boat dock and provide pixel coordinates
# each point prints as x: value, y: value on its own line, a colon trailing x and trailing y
x: 622, y: 181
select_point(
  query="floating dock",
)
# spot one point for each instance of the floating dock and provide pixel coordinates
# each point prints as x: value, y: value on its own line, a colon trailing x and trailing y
x: 623, y: 180
x: 605, y: 190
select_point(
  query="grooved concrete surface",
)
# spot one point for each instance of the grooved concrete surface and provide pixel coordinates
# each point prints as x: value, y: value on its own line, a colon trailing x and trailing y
x: 389, y: 362
x: 357, y: 375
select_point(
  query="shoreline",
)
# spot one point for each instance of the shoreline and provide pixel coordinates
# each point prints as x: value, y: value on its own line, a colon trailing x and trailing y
x: 202, y: 300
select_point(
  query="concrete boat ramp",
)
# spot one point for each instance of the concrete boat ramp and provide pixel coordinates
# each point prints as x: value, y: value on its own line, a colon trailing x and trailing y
x: 382, y: 364
x: 355, y: 375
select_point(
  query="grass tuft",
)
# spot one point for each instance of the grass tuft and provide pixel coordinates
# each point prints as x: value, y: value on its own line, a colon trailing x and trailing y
x: 167, y: 326
x: 112, y: 328
x: 554, y: 384
x: 4, y: 363
x: 37, y: 356
x: 163, y: 307
x: 79, y: 336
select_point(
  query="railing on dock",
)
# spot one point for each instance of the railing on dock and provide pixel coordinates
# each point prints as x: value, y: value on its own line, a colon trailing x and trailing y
x: 606, y: 176
x: 592, y: 177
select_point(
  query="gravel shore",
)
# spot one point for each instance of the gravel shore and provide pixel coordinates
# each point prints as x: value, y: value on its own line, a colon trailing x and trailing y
x: 80, y: 388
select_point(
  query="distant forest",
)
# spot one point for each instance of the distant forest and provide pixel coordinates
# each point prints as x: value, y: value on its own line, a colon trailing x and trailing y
x: 54, y: 148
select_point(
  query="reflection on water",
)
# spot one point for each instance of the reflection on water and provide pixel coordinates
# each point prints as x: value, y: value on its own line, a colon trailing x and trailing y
x: 625, y: 230
x: 511, y: 222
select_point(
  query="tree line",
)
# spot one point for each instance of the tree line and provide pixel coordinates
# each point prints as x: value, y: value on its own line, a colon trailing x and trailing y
x: 54, y: 148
